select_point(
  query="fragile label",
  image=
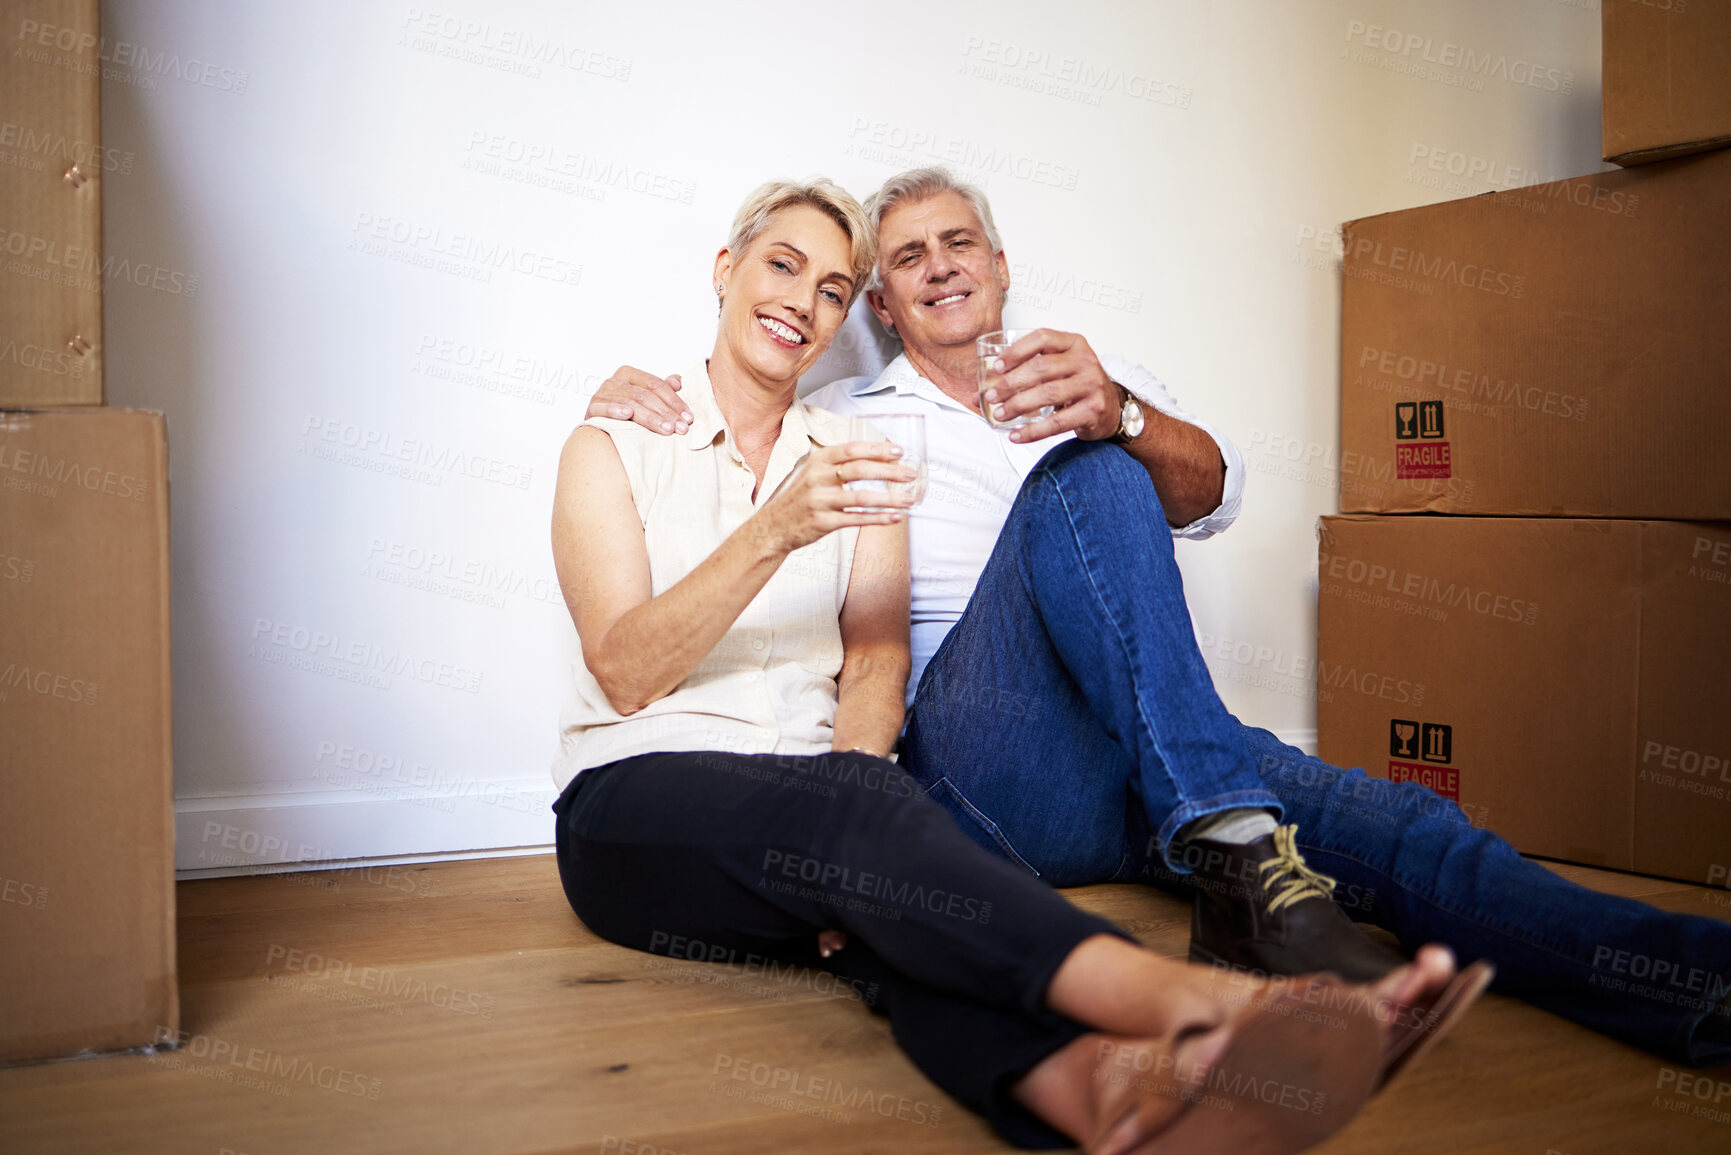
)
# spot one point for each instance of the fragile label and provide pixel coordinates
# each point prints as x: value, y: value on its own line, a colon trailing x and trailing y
x: 1445, y: 780
x: 1429, y: 459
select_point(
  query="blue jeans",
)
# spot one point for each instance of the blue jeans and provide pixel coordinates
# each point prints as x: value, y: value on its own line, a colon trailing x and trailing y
x: 1069, y: 723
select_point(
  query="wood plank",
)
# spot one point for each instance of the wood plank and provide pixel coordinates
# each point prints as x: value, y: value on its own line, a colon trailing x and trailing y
x: 490, y: 1020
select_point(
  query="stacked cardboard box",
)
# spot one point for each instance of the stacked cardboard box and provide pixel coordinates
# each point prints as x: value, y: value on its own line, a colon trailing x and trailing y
x: 86, y: 828
x: 1667, y: 78
x: 51, y: 167
x: 1548, y: 367
x: 1563, y: 679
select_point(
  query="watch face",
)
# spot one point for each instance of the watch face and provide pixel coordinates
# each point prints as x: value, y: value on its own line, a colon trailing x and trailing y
x: 1132, y: 420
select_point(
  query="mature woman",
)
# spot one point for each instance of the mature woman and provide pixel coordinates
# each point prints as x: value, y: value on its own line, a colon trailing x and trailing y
x: 744, y: 627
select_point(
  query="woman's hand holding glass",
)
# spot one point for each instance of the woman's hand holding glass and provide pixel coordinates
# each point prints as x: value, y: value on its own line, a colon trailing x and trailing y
x: 907, y: 433
x: 815, y: 499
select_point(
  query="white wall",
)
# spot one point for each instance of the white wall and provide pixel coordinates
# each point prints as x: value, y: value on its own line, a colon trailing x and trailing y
x: 325, y: 192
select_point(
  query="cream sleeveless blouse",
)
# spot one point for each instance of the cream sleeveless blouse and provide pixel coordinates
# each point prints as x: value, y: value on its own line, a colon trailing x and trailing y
x: 769, y: 686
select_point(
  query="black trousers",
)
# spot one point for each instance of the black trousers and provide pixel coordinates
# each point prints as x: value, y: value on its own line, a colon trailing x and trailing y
x: 752, y: 855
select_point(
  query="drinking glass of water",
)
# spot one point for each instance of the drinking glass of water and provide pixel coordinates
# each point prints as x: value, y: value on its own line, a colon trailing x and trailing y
x: 908, y: 430
x: 991, y: 346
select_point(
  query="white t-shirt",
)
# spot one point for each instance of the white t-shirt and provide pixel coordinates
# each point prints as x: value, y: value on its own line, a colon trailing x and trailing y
x: 974, y: 473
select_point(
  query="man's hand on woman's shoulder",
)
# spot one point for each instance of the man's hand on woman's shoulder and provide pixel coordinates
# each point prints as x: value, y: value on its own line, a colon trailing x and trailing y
x: 633, y: 395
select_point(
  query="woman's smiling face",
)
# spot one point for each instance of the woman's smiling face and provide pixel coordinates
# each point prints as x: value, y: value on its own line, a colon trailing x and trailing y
x: 785, y: 297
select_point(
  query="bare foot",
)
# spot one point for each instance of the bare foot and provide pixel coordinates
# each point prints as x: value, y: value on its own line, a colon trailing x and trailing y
x: 1398, y: 1000
x: 1096, y: 1087
x: 1414, y: 1027
x: 1420, y: 981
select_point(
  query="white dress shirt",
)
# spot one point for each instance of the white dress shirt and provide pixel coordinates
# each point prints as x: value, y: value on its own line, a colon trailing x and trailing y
x: 974, y: 473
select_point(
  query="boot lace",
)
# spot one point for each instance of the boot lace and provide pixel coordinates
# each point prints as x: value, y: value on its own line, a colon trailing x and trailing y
x: 1288, y: 878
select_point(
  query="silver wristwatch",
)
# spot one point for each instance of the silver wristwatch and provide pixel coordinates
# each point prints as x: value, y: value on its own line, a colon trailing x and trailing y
x: 1129, y: 419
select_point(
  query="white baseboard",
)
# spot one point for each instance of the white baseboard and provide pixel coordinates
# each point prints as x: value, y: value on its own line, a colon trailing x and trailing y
x: 320, y: 830
x: 361, y: 864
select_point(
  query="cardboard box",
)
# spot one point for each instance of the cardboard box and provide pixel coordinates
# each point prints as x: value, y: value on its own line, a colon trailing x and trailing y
x: 1565, y: 681
x: 51, y: 169
x: 1553, y: 351
x: 86, y: 825
x: 1667, y: 78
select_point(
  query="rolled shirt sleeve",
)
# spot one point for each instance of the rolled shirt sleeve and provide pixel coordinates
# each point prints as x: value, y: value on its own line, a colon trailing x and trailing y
x: 1150, y: 390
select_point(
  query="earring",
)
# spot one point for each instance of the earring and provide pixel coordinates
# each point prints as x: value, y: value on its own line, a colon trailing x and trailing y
x: 718, y: 290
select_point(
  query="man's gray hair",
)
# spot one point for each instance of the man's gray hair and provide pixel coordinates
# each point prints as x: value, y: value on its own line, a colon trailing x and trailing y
x: 916, y: 185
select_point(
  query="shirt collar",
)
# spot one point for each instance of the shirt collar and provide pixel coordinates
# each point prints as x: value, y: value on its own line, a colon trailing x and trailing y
x: 699, y: 396
x: 901, y: 376
x: 817, y: 425
x: 802, y: 423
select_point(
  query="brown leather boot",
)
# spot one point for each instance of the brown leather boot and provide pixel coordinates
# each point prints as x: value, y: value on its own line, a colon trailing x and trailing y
x: 1260, y: 908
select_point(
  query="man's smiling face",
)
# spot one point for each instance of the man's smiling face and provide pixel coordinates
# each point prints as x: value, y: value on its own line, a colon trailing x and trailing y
x: 942, y: 284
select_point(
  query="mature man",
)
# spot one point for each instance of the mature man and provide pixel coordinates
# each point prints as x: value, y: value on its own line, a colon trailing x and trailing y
x: 1060, y: 709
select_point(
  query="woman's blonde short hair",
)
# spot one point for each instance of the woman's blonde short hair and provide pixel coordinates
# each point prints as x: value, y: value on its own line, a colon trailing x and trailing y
x: 821, y: 194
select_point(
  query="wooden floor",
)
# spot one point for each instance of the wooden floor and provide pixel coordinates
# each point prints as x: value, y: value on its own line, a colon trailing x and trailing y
x: 461, y: 1007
